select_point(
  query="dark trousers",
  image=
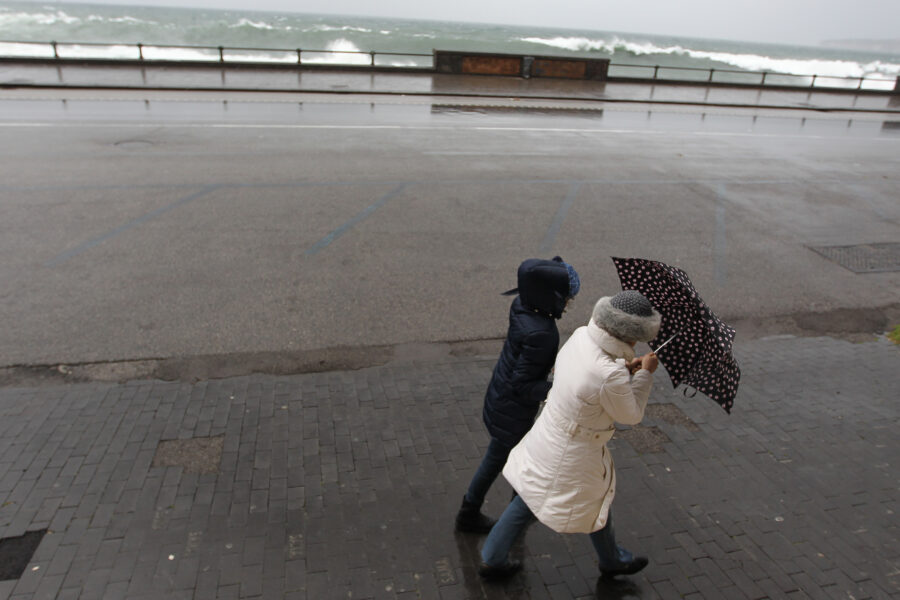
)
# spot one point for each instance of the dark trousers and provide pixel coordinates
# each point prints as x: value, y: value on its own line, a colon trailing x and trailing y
x: 491, y: 466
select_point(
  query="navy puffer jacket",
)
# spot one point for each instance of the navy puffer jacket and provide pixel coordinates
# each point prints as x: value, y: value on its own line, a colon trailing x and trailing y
x: 519, y: 382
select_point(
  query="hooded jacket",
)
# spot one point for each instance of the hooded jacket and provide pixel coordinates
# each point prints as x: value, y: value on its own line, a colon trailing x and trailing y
x: 519, y: 381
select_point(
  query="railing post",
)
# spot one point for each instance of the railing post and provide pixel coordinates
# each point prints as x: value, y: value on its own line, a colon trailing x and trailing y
x: 763, y: 80
x: 711, y: 71
x: 298, y: 57
x: 221, y: 54
x: 861, y: 79
x: 373, y: 57
x: 140, y: 51
x: 55, y: 50
x: 813, y: 82
x: 655, y: 71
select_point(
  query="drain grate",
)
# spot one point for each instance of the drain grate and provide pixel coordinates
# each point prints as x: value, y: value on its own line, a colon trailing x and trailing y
x: 16, y: 553
x: 194, y: 455
x: 864, y: 258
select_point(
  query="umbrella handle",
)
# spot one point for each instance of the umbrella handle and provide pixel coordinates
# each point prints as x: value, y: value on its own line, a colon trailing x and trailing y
x: 661, y: 346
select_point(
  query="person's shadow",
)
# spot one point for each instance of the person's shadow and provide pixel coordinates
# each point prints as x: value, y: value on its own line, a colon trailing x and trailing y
x: 617, y: 589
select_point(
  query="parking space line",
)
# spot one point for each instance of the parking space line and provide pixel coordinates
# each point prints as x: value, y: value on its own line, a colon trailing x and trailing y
x: 359, y: 217
x: 129, y: 225
x: 556, y: 225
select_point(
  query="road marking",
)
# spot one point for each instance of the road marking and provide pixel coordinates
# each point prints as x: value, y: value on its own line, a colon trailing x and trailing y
x: 467, y: 153
x: 361, y: 216
x: 129, y: 225
x: 577, y: 130
x: 720, y: 238
x: 556, y: 225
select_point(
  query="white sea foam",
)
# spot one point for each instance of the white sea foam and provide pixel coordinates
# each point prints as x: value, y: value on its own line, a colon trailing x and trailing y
x: 126, y: 20
x: 37, y: 18
x: 327, y: 28
x: 185, y: 54
x: 575, y: 44
x: 31, y: 50
x: 749, y: 62
x: 244, y: 22
x: 339, y: 52
x: 118, y: 51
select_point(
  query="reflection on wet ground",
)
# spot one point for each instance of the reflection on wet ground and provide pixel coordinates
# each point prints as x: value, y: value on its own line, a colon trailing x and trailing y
x: 474, y: 109
x: 275, y: 80
x: 299, y: 110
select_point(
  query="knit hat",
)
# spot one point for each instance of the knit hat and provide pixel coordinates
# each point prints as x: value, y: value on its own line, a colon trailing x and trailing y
x: 574, y: 280
x: 628, y: 316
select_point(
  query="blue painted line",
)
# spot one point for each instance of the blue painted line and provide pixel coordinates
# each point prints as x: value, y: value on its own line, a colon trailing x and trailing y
x: 125, y: 227
x: 361, y: 216
x: 560, y: 217
x: 720, y: 239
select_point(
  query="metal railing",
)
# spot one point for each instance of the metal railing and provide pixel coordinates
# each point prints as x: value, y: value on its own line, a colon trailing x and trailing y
x: 221, y: 54
x: 754, y: 78
x: 297, y: 56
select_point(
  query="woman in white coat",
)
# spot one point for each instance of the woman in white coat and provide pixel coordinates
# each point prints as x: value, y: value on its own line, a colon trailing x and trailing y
x: 562, y: 470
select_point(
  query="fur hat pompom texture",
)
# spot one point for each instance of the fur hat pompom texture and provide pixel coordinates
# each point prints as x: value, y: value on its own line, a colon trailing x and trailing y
x: 628, y: 316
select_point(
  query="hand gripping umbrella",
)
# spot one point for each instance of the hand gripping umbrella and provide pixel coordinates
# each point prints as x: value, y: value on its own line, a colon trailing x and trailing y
x: 700, y: 354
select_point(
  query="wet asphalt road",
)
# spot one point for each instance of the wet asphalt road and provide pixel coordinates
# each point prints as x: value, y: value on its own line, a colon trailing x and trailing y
x: 158, y: 224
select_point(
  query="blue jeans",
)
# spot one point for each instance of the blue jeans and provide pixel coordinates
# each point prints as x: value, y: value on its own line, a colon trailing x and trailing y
x: 491, y: 466
x: 515, y: 519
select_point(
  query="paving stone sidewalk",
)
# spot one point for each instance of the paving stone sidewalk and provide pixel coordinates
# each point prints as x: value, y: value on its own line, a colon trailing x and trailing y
x: 345, y: 484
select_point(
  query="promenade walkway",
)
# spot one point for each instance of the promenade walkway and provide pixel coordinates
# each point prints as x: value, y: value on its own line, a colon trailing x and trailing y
x: 345, y: 484
x: 237, y: 78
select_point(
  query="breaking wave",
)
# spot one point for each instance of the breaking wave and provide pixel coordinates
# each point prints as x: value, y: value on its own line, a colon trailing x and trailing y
x: 9, y: 20
x: 747, y: 62
x: 340, y: 51
x: 253, y: 24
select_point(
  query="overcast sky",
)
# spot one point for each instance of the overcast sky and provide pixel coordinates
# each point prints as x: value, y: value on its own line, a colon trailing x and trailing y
x: 785, y: 21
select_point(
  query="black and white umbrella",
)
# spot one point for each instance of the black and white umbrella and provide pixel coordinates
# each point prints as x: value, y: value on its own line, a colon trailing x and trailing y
x: 699, y: 349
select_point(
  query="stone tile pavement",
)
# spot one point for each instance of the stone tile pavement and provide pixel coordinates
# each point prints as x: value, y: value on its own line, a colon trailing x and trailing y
x: 345, y: 484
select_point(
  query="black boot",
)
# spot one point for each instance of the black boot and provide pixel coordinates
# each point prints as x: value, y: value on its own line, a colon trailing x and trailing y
x: 628, y: 568
x: 502, y: 572
x: 470, y: 519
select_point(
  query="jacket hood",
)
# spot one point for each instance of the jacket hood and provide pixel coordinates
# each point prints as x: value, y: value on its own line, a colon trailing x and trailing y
x: 544, y: 286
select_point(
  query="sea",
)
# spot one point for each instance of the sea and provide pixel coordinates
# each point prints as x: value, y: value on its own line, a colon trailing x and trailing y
x: 182, y: 33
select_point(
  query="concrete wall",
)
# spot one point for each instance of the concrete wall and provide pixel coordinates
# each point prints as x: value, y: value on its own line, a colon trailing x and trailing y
x: 474, y: 63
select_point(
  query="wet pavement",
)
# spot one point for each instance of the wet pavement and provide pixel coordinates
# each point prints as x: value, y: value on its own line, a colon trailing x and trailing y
x: 175, y: 259
x: 147, y: 226
x: 344, y: 485
x: 261, y: 78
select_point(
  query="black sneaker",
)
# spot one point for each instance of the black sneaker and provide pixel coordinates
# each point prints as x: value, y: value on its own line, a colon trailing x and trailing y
x: 502, y: 572
x: 629, y: 568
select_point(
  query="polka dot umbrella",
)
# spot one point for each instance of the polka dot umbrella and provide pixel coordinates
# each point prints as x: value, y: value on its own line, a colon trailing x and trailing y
x: 700, y: 355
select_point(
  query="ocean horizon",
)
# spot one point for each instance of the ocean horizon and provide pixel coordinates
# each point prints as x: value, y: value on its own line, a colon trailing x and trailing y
x: 347, y: 39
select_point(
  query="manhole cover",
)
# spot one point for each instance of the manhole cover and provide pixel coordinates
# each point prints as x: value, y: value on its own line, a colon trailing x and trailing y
x: 863, y: 258
x: 16, y: 553
x: 645, y: 440
x: 194, y: 455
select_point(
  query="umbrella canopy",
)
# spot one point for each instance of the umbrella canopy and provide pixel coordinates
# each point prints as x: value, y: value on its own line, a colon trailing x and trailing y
x: 700, y: 356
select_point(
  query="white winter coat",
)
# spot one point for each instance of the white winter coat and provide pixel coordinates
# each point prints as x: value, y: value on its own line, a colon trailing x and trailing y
x: 562, y: 468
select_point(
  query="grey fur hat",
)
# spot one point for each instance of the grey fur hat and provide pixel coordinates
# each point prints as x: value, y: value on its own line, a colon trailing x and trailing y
x: 628, y: 316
